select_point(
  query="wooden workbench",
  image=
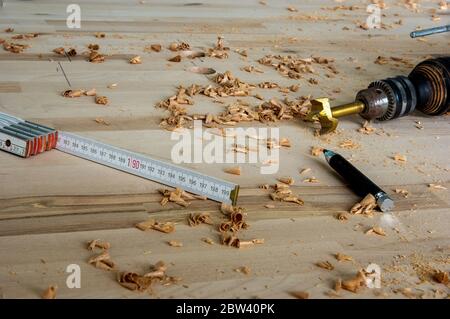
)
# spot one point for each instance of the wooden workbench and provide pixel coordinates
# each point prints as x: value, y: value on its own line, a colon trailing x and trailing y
x: 52, y: 204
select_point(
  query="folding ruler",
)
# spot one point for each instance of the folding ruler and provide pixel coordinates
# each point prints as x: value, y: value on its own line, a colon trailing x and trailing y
x: 25, y: 139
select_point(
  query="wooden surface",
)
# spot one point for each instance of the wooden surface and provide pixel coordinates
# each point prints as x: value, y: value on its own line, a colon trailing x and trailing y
x: 52, y: 204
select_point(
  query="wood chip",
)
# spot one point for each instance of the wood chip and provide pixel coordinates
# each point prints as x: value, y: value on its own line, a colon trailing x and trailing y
x: 100, y: 35
x: 73, y: 93
x: 356, y: 283
x: 316, y: 151
x: 93, y: 47
x: 233, y: 170
x: 136, y: 60
x: 208, y: 240
x: 243, y: 270
x: 365, y: 207
x: 399, y: 158
x: 376, y: 230
x: 325, y: 265
x: 367, y: 129
x: 305, y: 170
x: 199, y: 218
x: 342, y: 257
x: 300, y: 294
x: 50, y: 292
x: 176, y: 58
x: 286, y: 180
x: 156, y: 47
x: 102, y: 261
x: 311, y: 180
x: 441, y: 277
x: 402, y: 191
x: 96, y: 57
x: 103, y: 100
x: 269, y: 206
x: 91, y: 92
x: 97, y: 243
x: 343, y: 216
x: 175, y: 243
x: 165, y: 227
x: 99, y: 120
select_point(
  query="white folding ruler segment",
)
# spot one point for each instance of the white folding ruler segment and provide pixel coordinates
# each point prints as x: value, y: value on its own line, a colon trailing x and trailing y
x: 24, y: 138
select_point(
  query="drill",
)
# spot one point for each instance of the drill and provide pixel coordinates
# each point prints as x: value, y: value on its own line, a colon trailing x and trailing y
x: 426, y: 88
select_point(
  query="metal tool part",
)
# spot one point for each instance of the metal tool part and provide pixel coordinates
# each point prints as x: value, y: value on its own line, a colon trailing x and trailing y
x: 360, y: 183
x: 24, y: 138
x: 427, y: 88
x: 429, y: 31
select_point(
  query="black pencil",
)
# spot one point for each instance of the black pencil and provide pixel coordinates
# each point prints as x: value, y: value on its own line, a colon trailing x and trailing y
x: 360, y: 183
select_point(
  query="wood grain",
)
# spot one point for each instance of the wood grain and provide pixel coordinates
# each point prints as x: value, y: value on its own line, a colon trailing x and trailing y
x: 52, y: 204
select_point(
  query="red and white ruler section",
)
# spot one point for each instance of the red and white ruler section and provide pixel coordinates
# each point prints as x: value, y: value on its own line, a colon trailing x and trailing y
x: 25, y: 139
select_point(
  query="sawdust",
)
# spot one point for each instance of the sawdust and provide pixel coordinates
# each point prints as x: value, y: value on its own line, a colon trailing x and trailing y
x: 325, y: 265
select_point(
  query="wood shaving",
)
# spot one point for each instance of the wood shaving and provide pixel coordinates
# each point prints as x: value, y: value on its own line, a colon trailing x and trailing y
x: 208, y: 240
x: 284, y: 193
x: 233, y: 170
x: 15, y: 47
x: 50, y: 292
x: 436, y: 186
x: 399, y: 158
x: 365, y: 207
x: 402, y: 191
x: 99, y: 120
x: 270, y: 206
x: 73, y: 93
x: 156, y: 47
x: 356, y: 283
x: 91, y: 92
x: 366, y: 128
x: 292, y: 9
x: 243, y: 270
x: 96, y: 57
x: 176, y: 58
x: 166, y: 227
x: 219, y: 51
x: 316, y: 151
x: 157, y: 275
x: 343, y: 216
x: 93, y: 47
x: 251, y: 69
x: 305, y: 170
x: 376, y: 230
x: 286, y: 180
x: 102, y: 261
x: 178, y: 196
x: 342, y: 257
x: 348, y: 144
x: 97, y: 243
x: 103, y: 100
x: 175, y: 243
x: 136, y: 60
x: 199, y: 218
x: 182, y: 46
x: 25, y: 36
x: 441, y: 277
x: 300, y: 294
x: 325, y: 265
x: 296, y: 68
